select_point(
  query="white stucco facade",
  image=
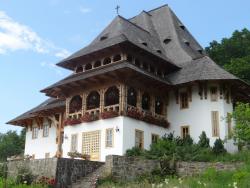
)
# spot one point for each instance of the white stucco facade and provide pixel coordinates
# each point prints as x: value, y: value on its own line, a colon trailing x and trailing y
x: 124, y: 138
x: 197, y: 117
x: 38, y: 147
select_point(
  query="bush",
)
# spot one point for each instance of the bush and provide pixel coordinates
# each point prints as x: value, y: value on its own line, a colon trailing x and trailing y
x: 24, y: 176
x: 218, y: 147
x: 204, y: 140
x: 135, y: 151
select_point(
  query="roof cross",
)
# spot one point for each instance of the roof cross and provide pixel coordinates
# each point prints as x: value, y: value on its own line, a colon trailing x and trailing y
x: 117, y: 9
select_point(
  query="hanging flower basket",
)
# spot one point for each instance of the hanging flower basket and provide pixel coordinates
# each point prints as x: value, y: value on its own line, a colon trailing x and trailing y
x: 109, y: 114
x: 72, y: 121
x: 89, y: 118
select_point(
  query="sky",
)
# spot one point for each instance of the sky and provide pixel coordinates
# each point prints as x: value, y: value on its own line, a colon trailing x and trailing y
x: 35, y: 35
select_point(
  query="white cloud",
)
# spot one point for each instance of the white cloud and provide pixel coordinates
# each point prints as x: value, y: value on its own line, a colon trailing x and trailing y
x: 15, y: 36
x: 52, y: 67
x: 85, y: 10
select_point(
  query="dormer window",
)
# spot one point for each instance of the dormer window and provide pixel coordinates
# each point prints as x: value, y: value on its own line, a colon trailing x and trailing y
x: 182, y: 26
x: 167, y: 40
x: 106, y: 61
x: 159, y: 51
x: 187, y: 42
x: 103, y: 37
x: 200, y: 51
x: 145, y: 44
x: 79, y: 69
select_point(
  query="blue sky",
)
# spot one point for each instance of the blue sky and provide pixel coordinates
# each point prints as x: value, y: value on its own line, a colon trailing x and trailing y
x: 34, y: 35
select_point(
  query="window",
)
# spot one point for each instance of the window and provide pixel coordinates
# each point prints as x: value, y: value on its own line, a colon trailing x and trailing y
x: 109, y: 137
x: 214, y: 93
x: 88, y: 66
x: 154, y: 138
x: 34, y: 132
x: 229, y: 125
x: 79, y: 69
x: 75, y: 104
x: 45, y: 129
x: 158, y: 106
x: 106, y: 61
x: 145, y: 101
x: 166, y: 40
x: 184, y: 100
x: 139, y: 139
x: 93, y: 100
x: 184, y: 131
x: 144, y: 43
x: 111, y: 96
x: 129, y: 58
x: 97, y: 64
x: 117, y: 58
x: 215, y: 123
x: 132, y: 97
x: 73, y: 143
x: 47, y: 155
x: 137, y: 63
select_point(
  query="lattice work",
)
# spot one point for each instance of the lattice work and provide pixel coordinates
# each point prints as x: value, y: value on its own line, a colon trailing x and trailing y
x: 91, y: 144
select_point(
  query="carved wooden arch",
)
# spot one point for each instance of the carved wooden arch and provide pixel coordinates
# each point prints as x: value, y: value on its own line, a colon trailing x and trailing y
x: 113, y: 97
x: 90, y: 106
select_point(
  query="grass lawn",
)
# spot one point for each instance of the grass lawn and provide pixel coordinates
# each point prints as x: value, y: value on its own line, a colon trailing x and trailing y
x: 11, y: 184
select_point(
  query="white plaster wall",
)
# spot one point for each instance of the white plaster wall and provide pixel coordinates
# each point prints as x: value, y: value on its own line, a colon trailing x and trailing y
x: 41, y: 145
x: 198, y: 115
x: 129, y: 127
x: 100, y: 125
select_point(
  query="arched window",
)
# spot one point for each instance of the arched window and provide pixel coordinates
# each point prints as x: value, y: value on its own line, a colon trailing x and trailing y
x: 79, y: 69
x: 97, y: 64
x: 152, y: 69
x: 75, y: 104
x: 93, y: 100
x: 117, y: 57
x: 129, y: 58
x: 137, y: 62
x: 158, y: 106
x: 106, y: 61
x: 145, y: 66
x: 131, y: 96
x: 145, y: 103
x: 88, y: 66
x: 111, y: 96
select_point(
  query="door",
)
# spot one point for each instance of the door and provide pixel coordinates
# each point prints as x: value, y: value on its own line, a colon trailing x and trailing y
x: 91, y: 144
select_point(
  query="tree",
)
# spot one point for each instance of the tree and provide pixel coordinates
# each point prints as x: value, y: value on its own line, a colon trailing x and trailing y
x: 11, y: 144
x: 241, y: 116
x: 233, y: 53
x: 204, y: 140
x: 218, y: 147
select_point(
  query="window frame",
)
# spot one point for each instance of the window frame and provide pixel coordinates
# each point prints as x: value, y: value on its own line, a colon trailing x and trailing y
x: 48, y: 126
x: 107, y: 145
x: 186, y: 101
x: 186, y: 127
x: 35, y: 133
x: 142, y: 139
x: 214, y: 96
x: 215, y: 123
x: 152, y: 138
x: 76, y: 143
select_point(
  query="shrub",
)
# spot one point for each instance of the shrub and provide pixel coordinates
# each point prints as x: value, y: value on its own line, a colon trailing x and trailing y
x: 24, y: 176
x: 135, y: 151
x: 218, y: 147
x: 204, y: 140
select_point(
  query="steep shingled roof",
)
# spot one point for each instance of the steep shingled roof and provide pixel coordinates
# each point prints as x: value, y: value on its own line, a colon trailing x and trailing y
x: 48, y: 104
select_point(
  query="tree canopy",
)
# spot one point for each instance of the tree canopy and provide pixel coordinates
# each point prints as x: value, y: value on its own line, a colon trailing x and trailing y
x: 233, y: 53
x: 11, y: 144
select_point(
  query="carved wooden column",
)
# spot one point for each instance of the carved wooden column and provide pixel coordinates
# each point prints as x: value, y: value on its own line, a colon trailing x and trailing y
x: 139, y: 97
x: 152, y: 104
x: 102, y: 91
x: 84, y: 103
x: 67, y: 107
x: 121, y: 98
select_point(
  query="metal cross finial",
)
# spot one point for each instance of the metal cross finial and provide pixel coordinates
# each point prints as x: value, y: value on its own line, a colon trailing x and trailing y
x: 117, y: 9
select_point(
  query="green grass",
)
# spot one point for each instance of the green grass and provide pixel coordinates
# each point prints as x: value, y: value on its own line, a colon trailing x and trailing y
x: 12, y: 184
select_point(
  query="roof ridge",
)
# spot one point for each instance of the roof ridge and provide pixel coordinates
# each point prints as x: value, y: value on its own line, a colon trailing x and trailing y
x: 165, y: 5
x: 134, y: 24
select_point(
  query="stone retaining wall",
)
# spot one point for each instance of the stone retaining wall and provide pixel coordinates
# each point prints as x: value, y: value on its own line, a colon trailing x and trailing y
x: 38, y: 167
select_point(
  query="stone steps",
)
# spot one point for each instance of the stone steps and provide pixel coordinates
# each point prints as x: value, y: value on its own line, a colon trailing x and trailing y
x: 90, y: 180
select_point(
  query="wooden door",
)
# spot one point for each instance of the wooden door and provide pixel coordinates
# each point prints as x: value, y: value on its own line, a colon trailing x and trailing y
x: 91, y: 144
